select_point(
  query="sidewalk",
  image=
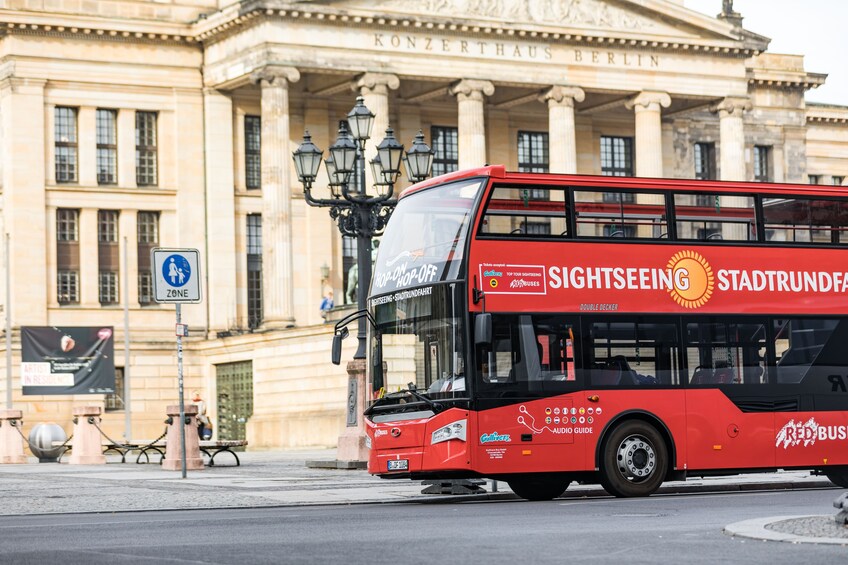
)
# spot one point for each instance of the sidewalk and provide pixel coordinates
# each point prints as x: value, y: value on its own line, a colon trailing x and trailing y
x: 281, y: 478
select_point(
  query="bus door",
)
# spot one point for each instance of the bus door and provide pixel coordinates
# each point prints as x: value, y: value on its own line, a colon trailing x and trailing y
x: 526, y: 420
x: 810, y: 373
x: 730, y: 417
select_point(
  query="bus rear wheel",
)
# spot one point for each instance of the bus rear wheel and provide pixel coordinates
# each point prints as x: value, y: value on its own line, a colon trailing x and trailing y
x: 539, y: 487
x: 838, y: 475
x: 634, y: 460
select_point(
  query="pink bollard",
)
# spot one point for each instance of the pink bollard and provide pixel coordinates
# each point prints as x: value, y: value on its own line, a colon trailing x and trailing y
x: 11, y: 441
x: 173, y: 457
x: 87, y: 445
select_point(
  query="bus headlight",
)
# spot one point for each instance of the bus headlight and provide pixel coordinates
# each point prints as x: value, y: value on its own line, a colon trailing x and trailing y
x: 454, y: 430
x: 368, y: 442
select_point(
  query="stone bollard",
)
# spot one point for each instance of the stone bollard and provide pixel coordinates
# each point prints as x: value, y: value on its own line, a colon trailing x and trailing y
x: 841, y: 504
x: 87, y: 446
x: 173, y: 457
x: 11, y: 441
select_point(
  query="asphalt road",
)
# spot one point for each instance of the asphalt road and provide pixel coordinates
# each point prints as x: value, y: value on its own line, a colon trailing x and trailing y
x: 660, y: 529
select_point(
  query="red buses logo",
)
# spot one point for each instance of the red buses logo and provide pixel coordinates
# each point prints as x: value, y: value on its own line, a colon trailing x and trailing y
x: 692, y: 279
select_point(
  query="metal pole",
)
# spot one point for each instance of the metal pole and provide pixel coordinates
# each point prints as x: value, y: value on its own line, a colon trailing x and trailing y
x: 127, y: 410
x: 180, y: 386
x: 363, y: 254
x: 8, y: 311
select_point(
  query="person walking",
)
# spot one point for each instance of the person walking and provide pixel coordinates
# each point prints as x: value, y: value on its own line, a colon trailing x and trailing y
x: 204, y: 426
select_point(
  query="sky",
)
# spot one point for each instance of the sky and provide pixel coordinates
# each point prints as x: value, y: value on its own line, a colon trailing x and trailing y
x: 813, y: 28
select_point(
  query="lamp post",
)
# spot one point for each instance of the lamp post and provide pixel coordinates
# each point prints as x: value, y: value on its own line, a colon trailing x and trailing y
x: 357, y: 212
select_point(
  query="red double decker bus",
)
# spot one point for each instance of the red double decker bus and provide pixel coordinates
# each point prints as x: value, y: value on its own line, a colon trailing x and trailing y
x: 540, y: 329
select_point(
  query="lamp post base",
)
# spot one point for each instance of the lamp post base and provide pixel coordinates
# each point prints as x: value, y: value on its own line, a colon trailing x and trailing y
x: 352, y: 441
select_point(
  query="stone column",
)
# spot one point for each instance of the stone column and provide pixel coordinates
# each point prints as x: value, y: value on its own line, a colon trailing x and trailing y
x: 87, y: 448
x: 11, y: 442
x: 374, y: 88
x: 220, y: 211
x: 22, y: 166
x: 647, y: 106
x: 732, y: 137
x: 173, y: 460
x: 562, y: 132
x: 277, y: 264
x: 472, y: 127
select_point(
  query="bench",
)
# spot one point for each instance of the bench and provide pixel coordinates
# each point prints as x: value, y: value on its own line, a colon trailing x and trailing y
x: 210, y: 448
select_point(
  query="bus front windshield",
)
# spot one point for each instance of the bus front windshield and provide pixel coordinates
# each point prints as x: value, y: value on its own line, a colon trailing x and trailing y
x: 425, y: 239
x: 420, y: 332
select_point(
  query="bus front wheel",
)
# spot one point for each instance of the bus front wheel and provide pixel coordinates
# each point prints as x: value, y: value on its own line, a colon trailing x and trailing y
x: 838, y: 475
x: 539, y: 487
x: 634, y: 461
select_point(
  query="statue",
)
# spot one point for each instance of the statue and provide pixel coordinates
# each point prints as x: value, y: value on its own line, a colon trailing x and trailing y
x: 353, y: 274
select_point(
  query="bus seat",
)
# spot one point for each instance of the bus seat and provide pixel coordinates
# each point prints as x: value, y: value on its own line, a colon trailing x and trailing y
x: 723, y: 374
x: 701, y: 376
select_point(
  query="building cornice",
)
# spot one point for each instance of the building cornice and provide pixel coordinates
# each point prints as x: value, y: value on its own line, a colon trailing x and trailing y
x: 826, y: 113
x: 239, y: 17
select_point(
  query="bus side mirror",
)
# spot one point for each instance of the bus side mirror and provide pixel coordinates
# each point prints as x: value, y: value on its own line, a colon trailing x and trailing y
x: 483, y: 329
x: 337, y: 345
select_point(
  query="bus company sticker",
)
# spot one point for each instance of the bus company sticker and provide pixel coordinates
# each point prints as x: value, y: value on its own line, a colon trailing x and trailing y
x: 495, y: 437
x: 806, y: 433
x: 504, y: 278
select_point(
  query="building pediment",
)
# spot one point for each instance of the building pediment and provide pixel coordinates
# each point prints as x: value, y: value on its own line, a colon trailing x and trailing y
x: 643, y: 19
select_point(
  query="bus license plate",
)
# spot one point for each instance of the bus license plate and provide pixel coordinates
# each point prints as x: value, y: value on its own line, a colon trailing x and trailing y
x: 398, y: 464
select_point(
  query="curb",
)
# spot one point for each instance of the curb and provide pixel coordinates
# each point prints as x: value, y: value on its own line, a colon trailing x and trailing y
x: 756, y: 529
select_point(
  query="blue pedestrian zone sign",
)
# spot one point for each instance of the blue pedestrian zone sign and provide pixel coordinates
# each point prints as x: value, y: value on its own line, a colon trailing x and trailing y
x: 176, y: 275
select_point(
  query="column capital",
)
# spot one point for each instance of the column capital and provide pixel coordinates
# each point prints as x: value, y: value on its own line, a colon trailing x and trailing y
x: 562, y: 95
x: 470, y: 89
x: 376, y: 82
x: 732, y: 106
x: 274, y: 75
x: 649, y: 100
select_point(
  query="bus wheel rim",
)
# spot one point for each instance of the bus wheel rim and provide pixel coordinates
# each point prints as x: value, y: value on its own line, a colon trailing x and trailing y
x: 636, y: 458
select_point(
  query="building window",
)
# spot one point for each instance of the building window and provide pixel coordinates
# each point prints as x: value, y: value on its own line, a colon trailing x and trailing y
x: 108, y: 287
x: 107, y: 226
x: 147, y: 239
x: 445, y: 152
x: 145, y: 288
x: 617, y: 156
x: 837, y: 180
x: 254, y: 270
x: 705, y: 163
x: 67, y: 225
x: 115, y: 401
x: 67, y: 287
x: 148, y: 227
x: 145, y: 149
x: 814, y: 179
x: 761, y: 163
x: 107, y: 147
x: 532, y: 152
x: 252, y: 151
x: 66, y: 144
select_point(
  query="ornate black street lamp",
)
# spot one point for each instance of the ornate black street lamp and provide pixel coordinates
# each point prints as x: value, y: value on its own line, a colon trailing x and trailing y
x: 357, y: 212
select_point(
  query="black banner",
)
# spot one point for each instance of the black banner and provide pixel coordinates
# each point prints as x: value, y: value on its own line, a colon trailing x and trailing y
x: 70, y: 360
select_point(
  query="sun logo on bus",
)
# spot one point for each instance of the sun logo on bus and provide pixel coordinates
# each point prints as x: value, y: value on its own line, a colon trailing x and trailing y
x: 692, y: 280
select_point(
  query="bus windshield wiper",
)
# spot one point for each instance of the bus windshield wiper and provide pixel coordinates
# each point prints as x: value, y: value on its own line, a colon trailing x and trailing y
x: 413, y: 390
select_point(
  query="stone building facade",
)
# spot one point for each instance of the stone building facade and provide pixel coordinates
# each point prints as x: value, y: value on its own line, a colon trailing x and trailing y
x: 126, y: 125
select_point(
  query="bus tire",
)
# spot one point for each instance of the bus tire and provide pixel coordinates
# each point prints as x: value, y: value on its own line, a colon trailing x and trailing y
x: 539, y: 486
x: 837, y: 475
x: 634, y: 460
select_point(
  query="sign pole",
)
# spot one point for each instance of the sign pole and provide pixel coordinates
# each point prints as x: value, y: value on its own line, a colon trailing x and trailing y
x: 180, y: 381
x: 127, y: 387
x: 176, y: 279
x: 7, y: 309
